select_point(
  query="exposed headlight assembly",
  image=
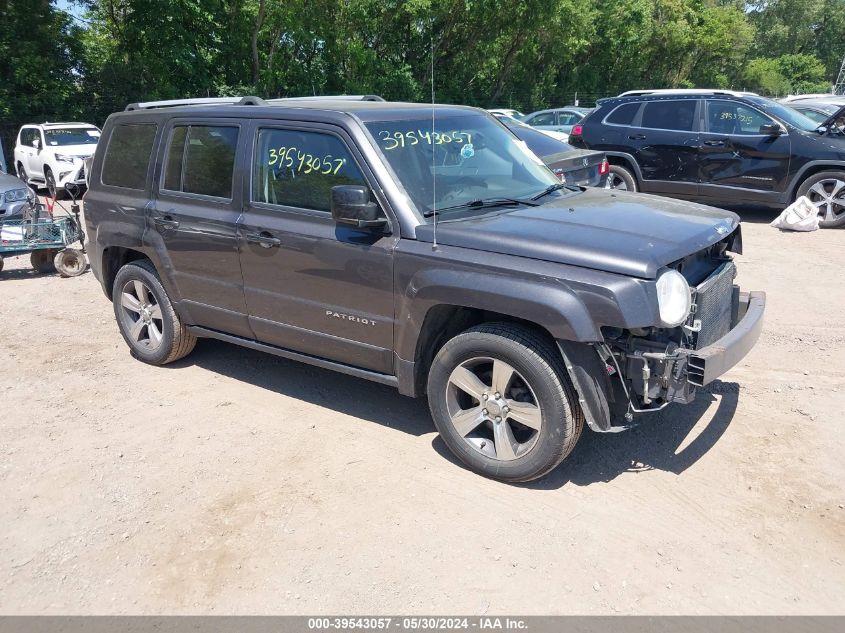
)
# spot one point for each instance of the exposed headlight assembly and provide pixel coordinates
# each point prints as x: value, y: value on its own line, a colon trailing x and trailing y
x: 674, y: 299
x: 64, y: 158
x: 15, y: 195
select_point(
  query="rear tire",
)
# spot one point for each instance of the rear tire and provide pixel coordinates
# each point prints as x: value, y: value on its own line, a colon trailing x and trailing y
x: 621, y: 179
x: 145, y: 316
x: 502, y: 402
x: 22, y: 173
x: 70, y: 262
x: 42, y: 260
x: 826, y: 190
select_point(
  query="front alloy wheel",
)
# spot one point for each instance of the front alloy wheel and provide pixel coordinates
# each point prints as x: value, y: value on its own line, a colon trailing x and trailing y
x: 493, y: 408
x: 503, y: 402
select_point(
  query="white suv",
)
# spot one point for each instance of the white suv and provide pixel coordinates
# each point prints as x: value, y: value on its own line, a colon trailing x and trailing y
x: 52, y: 155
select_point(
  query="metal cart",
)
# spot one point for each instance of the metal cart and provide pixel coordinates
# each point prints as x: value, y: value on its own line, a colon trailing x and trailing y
x: 47, y: 240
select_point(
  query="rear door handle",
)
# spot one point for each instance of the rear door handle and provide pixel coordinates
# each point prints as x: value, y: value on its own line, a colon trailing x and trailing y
x: 716, y: 142
x: 167, y: 222
x: 263, y: 239
x: 637, y: 137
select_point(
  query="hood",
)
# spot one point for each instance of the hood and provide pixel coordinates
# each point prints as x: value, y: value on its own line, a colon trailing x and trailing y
x: 80, y: 151
x: 621, y: 232
x: 8, y: 182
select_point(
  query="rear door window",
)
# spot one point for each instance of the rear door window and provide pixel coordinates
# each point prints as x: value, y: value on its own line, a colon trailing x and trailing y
x: 127, y: 158
x: 295, y: 168
x: 624, y: 114
x: 568, y: 118
x: 544, y: 118
x: 670, y: 115
x: 201, y: 160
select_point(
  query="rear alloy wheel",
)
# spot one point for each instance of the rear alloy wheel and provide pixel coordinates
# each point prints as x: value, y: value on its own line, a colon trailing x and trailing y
x: 826, y: 190
x: 621, y: 179
x: 146, y: 318
x: 502, y: 402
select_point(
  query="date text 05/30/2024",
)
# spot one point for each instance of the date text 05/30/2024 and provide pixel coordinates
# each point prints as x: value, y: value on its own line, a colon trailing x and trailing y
x: 416, y: 623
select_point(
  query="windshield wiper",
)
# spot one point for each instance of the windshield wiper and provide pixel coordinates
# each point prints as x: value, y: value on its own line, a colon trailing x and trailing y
x: 551, y: 188
x: 482, y: 203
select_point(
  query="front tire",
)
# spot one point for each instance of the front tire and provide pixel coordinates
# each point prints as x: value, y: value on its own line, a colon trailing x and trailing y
x: 621, y: 179
x: 50, y: 181
x: 502, y: 402
x: 147, y: 320
x: 826, y: 190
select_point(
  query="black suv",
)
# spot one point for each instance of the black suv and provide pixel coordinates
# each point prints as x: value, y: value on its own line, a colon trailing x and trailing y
x: 718, y: 147
x: 418, y: 246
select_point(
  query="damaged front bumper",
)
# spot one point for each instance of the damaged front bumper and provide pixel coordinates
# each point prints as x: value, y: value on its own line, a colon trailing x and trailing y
x: 658, y: 378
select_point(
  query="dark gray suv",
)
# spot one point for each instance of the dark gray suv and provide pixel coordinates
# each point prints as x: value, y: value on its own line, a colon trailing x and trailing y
x: 418, y: 246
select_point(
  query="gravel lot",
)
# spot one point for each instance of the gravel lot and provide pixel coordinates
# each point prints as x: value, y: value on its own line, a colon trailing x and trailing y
x: 237, y: 482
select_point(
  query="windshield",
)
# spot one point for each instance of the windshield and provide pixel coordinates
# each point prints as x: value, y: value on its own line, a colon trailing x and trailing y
x: 785, y: 114
x: 466, y: 157
x: 71, y: 136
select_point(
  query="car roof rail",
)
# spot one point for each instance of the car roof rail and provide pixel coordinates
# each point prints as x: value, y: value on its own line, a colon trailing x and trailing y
x: 687, y: 91
x: 329, y: 98
x: 172, y: 103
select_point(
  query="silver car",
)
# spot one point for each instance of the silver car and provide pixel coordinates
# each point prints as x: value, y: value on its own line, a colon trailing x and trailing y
x: 557, y: 119
x: 15, y: 197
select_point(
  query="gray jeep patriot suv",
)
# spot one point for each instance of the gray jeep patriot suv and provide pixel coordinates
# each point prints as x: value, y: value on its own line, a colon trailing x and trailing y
x: 419, y: 246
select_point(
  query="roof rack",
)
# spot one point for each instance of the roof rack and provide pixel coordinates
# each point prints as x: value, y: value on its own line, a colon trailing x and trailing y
x: 687, y: 91
x: 171, y: 103
x: 329, y: 98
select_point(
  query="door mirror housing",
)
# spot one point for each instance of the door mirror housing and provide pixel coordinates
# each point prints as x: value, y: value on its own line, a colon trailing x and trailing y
x: 36, y: 143
x: 772, y: 129
x: 351, y: 205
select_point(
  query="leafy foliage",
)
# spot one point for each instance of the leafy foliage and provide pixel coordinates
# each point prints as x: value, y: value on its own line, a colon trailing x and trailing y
x: 513, y: 53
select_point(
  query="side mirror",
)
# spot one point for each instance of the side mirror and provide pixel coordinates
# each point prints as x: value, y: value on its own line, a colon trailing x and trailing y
x: 36, y: 143
x: 772, y: 129
x: 351, y: 205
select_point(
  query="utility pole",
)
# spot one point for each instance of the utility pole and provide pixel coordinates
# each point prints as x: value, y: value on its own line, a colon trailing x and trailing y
x: 839, y: 88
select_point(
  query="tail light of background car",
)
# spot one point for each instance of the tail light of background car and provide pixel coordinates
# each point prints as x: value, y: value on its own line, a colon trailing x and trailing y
x: 560, y: 174
x: 576, y: 130
x: 604, y: 168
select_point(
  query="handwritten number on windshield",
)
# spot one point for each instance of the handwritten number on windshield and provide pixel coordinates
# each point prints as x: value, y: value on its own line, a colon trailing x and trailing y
x: 394, y: 140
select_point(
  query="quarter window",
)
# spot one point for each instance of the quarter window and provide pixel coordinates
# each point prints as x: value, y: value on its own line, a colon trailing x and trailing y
x: 624, y: 114
x: 727, y: 117
x: 127, y: 157
x: 670, y: 115
x: 299, y: 169
x: 201, y: 159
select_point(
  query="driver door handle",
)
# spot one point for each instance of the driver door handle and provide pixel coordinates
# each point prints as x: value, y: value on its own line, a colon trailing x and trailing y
x: 637, y: 137
x: 263, y: 239
x: 717, y: 142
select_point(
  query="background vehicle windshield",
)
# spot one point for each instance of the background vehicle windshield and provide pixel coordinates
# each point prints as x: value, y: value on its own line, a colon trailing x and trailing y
x: 785, y: 114
x: 466, y: 157
x: 71, y: 136
x: 538, y: 142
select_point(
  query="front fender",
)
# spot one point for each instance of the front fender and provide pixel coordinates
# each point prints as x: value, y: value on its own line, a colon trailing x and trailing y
x: 549, y: 305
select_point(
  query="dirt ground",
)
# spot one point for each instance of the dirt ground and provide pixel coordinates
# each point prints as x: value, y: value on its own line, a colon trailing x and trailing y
x: 237, y: 482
